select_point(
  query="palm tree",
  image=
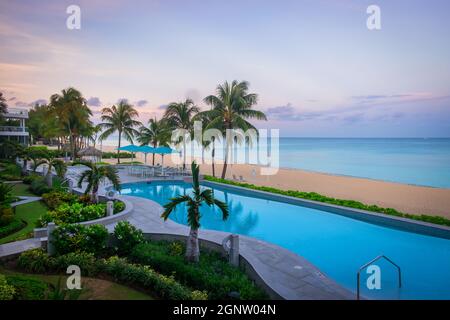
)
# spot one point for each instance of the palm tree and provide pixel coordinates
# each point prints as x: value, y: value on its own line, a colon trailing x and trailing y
x: 96, y: 175
x: 120, y: 118
x: 156, y: 134
x: 52, y: 162
x: 231, y: 107
x: 193, y: 204
x: 73, y: 114
x: 179, y: 115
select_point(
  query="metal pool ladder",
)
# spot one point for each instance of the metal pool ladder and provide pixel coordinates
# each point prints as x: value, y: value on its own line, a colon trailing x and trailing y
x: 358, y: 276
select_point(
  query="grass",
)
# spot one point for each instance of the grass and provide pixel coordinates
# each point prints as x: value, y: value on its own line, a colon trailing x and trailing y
x: 341, y: 202
x: 28, y: 212
x: 92, y: 289
x: 21, y: 189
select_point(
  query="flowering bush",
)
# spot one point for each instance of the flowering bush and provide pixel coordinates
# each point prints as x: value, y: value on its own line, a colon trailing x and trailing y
x: 127, y: 237
x: 78, y: 238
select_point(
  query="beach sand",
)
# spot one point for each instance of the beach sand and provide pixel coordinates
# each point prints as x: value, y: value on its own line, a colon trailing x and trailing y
x: 402, y: 197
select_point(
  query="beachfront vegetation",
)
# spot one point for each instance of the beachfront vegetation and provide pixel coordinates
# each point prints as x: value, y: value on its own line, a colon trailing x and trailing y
x: 193, y: 204
x: 180, y: 117
x: 232, y: 106
x: 158, y: 133
x: 120, y: 119
x: 51, y: 161
x: 340, y: 202
x: 95, y: 175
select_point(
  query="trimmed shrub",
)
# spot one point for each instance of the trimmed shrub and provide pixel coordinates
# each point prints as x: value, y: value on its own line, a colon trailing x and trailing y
x: 39, y: 186
x: 78, y: 238
x: 56, y: 198
x: 35, y: 260
x: 28, y: 288
x: 7, y: 291
x: 128, y: 236
x: 29, y: 179
x: 212, y: 273
x: 15, y: 225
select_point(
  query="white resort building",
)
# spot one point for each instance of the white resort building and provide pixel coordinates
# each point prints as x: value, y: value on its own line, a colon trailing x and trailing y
x: 13, y: 127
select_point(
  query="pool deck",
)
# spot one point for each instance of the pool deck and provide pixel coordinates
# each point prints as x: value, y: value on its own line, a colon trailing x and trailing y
x: 285, y: 274
x: 289, y: 275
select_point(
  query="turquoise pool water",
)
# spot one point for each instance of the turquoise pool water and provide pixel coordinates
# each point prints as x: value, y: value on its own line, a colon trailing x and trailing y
x: 337, y: 245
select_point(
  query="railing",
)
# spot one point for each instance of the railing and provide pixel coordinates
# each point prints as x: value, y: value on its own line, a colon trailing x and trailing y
x: 358, y: 276
x: 17, y: 112
x: 13, y: 129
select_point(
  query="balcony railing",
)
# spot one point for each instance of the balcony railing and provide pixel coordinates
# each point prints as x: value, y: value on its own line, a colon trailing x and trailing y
x: 13, y: 129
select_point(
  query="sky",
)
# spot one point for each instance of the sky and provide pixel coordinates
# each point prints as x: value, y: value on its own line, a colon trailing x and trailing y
x: 317, y: 68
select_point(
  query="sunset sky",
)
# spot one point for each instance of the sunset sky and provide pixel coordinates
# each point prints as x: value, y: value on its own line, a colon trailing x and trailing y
x: 317, y: 69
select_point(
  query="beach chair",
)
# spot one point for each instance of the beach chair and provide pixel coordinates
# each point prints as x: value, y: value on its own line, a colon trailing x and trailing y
x: 241, y: 179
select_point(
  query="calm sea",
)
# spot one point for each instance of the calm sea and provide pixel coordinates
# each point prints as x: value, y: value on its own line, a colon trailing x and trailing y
x: 413, y: 161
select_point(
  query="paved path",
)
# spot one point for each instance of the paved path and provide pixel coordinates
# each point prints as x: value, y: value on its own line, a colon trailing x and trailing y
x: 17, y: 247
x: 25, y: 200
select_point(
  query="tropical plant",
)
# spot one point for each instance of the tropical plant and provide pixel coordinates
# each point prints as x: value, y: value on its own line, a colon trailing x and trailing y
x: 120, y: 118
x: 231, y: 107
x: 49, y: 159
x: 180, y: 116
x: 72, y: 114
x: 193, y: 204
x: 96, y: 175
x: 156, y: 134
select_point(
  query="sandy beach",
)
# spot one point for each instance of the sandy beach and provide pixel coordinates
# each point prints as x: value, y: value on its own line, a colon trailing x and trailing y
x: 405, y: 198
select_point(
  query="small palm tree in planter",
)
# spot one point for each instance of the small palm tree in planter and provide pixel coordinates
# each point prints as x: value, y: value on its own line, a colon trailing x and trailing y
x: 96, y: 175
x: 193, y: 204
x: 52, y: 162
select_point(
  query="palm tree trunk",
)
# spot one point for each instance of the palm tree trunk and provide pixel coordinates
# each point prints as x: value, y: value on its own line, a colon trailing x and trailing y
x: 225, y: 162
x: 24, y: 167
x: 94, y: 195
x: 192, y: 248
x: 184, y: 153
x: 212, y: 155
x: 118, y: 151
x: 49, y: 177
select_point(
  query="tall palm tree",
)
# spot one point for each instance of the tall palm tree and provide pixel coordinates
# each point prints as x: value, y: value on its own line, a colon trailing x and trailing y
x: 120, y: 118
x: 72, y: 112
x: 156, y: 134
x: 193, y: 204
x: 51, y: 161
x: 96, y: 175
x: 231, y: 108
x: 180, y: 115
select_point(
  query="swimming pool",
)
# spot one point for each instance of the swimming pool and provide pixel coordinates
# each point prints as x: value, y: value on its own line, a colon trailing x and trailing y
x: 337, y: 245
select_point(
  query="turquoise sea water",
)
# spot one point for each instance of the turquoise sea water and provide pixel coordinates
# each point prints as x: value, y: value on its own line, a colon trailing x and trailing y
x: 337, y: 245
x: 413, y: 161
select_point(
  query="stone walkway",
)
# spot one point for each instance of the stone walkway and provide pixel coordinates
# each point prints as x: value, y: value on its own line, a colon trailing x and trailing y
x: 24, y: 200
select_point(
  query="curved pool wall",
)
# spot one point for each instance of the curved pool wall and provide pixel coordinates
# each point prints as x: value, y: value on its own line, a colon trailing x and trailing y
x: 337, y: 244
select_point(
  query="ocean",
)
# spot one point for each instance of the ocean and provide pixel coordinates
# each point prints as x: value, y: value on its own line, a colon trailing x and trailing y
x: 416, y: 161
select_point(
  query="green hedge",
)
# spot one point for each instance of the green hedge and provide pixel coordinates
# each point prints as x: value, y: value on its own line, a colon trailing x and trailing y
x: 345, y: 203
x: 164, y: 287
x: 212, y: 273
x: 12, y: 227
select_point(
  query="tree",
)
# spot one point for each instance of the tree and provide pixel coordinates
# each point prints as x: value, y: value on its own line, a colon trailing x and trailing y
x: 180, y: 115
x: 231, y: 107
x: 49, y: 158
x: 156, y: 134
x: 193, y: 210
x: 96, y: 175
x: 42, y: 123
x: 120, y: 118
x: 72, y: 113
x: 3, y: 105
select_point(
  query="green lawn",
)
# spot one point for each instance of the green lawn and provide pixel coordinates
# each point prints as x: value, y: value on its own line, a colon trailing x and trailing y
x: 21, y: 189
x: 92, y: 289
x: 28, y: 212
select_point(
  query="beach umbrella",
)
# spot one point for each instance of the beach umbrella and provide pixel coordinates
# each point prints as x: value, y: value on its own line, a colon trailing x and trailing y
x: 146, y: 150
x: 163, y: 151
x: 130, y: 148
